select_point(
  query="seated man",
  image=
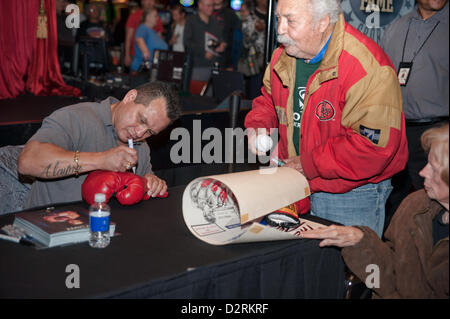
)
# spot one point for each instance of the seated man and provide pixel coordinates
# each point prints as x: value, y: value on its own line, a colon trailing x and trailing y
x: 413, y: 262
x: 147, y: 40
x: 84, y: 137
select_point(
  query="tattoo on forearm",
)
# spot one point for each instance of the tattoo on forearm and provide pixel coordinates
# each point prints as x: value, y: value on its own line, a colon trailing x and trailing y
x: 55, y: 170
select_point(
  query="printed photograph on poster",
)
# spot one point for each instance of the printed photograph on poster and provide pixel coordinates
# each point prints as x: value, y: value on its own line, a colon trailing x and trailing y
x: 232, y: 208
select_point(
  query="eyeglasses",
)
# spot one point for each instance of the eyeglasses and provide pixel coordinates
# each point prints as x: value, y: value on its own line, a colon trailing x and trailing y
x: 144, y: 123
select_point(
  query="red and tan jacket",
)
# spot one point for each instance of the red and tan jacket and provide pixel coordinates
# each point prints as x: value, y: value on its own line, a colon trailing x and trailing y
x: 352, y: 128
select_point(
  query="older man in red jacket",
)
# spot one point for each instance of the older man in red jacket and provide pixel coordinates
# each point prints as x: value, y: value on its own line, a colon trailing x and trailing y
x: 334, y: 96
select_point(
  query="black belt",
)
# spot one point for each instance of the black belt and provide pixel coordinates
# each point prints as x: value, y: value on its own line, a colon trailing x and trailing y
x: 428, y: 121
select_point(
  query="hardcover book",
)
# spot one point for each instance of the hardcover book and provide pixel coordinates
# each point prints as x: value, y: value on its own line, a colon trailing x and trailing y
x: 57, y: 227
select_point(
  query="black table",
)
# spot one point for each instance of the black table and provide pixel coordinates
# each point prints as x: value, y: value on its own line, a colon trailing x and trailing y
x: 157, y: 257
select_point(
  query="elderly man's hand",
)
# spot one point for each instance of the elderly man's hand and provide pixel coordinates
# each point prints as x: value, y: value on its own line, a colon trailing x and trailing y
x: 295, y: 163
x: 252, y: 135
x: 340, y: 236
x: 155, y: 185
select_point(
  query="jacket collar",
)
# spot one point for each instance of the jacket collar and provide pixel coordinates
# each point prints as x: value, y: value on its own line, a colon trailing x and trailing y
x: 285, y: 68
x: 331, y: 58
x: 431, y: 207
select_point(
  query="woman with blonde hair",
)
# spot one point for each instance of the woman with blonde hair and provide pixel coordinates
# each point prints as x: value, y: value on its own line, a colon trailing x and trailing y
x: 413, y: 260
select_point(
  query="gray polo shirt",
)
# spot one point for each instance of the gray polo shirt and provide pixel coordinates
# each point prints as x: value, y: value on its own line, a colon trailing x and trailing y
x: 426, y: 93
x: 86, y: 127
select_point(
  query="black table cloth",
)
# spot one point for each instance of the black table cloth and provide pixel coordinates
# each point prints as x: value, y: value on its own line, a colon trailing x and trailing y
x: 155, y: 256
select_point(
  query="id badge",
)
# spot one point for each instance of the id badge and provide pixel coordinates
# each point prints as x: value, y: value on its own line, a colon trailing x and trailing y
x: 404, y: 70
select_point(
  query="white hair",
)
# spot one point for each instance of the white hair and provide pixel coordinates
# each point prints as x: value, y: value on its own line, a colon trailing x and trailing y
x: 322, y: 8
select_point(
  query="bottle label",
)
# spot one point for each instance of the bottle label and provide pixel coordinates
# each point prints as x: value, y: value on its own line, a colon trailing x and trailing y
x: 99, y: 224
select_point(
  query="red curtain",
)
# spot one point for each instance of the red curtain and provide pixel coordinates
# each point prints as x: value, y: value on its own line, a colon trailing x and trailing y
x: 28, y: 63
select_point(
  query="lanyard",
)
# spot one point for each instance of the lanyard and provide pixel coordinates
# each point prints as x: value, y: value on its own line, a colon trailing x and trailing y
x: 406, y: 38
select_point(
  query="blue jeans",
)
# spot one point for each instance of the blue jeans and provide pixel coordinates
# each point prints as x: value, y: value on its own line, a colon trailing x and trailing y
x: 362, y: 206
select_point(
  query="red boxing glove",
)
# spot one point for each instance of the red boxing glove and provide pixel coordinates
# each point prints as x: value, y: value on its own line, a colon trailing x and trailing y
x: 105, y: 182
x: 131, y: 188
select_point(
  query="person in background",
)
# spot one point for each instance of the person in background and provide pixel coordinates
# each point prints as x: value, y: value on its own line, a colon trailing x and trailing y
x: 147, y: 40
x: 230, y: 23
x: 94, y: 27
x: 203, y: 40
x: 179, y: 19
x: 413, y: 259
x: 418, y: 45
x: 133, y: 22
x: 251, y: 62
x: 261, y: 14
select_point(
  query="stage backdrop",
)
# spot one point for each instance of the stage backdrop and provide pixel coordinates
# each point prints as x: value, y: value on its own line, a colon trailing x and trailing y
x: 362, y: 15
x: 27, y: 63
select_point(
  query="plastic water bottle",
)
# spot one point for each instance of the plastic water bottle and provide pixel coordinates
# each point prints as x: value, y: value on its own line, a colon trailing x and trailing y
x: 99, y: 213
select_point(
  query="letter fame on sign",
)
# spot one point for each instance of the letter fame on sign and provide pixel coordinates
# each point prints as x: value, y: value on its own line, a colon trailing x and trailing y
x: 371, y: 17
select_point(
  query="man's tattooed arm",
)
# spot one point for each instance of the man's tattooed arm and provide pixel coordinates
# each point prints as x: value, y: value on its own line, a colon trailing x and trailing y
x: 57, y: 170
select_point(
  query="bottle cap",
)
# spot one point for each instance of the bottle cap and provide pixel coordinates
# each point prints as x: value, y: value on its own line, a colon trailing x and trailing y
x: 100, y: 198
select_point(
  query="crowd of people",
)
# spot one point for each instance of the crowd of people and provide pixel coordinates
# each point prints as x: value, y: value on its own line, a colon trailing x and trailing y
x: 210, y: 32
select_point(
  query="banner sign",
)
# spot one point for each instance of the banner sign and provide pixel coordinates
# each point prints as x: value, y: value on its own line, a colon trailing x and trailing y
x: 371, y: 17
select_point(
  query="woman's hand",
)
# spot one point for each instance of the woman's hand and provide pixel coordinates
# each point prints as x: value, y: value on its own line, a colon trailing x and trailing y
x: 340, y: 236
x: 295, y: 163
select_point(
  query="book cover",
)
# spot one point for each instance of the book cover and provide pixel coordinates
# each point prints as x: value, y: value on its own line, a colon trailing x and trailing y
x: 57, y: 227
x: 211, y: 43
